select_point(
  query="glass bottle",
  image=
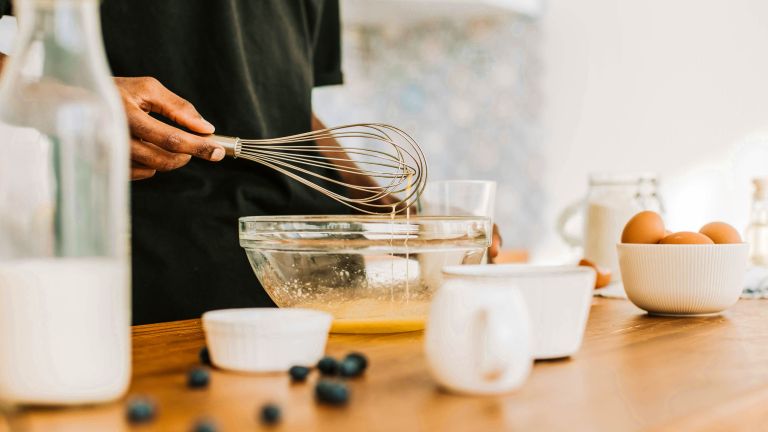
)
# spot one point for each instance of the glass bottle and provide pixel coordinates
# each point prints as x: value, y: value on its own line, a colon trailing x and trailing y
x: 757, y: 231
x: 64, y: 268
x: 612, y: 199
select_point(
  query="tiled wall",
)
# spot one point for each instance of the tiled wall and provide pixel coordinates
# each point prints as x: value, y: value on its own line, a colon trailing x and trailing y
x: 468, y: 92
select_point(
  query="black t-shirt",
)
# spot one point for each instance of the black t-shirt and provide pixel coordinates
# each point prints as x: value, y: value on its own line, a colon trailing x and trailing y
x: 249, y: 68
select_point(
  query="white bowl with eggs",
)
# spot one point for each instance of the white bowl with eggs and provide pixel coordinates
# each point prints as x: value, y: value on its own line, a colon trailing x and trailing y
x: 683, y: 279
x: 684, y: 273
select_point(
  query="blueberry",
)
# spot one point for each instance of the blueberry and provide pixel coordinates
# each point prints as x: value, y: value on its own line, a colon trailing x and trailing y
x: 140, y: 410
x: 204, y: 425
x: 360, y: 358
x: 205, y: 356
x: 349, y: 368
x: 270, y: 414
x: 198, y: 378
x: 328, y: 366
x: 298, y: 373
x: 330, y: 392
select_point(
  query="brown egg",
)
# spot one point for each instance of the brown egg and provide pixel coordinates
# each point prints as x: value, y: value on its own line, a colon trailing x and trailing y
x: 644, y: 227
x: 721, y: 233
x: 603, y: 274
x: 686, y: 237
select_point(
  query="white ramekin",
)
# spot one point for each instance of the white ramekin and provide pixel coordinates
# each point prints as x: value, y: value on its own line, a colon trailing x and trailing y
x: 266, y: 339
x: 677, y: 279
x: 558, y: 300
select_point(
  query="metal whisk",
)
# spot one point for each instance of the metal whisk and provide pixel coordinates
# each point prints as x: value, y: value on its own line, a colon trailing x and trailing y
x: 392, y: 159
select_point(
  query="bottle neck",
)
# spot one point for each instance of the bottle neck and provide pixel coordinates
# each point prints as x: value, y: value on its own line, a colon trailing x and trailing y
x: 60, y: 39
x: 759, y: 209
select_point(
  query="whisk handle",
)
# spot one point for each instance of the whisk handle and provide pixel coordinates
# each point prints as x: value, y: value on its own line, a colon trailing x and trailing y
x: 231, y: 144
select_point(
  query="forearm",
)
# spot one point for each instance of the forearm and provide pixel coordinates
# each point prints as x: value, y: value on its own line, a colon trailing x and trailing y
x: 335, y: 150
x: 3, y: 57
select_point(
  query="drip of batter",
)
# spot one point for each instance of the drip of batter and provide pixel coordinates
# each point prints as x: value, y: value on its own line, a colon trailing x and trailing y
x: 392, y: 253
x: 405, y: 243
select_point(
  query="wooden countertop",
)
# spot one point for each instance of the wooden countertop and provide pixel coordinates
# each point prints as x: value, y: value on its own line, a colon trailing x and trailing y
x: 634, y: 372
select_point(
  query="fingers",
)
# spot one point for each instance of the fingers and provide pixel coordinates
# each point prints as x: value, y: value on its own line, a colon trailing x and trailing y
x: 493, y: 251
x: 140, y: 172
x: 144, y: 127
x: 151, y: 96
x: 496, y: 242
x: 155, y: 145
x: 156, y: 158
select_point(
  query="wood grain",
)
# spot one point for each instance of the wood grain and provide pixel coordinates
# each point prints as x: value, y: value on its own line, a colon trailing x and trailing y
x: 634, y: 372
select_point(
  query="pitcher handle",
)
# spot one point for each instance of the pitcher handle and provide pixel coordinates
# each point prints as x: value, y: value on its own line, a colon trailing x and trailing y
x: 562, y: 222
x: 497, y: 340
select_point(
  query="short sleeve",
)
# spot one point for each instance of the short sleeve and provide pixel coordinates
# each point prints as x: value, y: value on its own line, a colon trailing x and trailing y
x: 327, y: 45
x: 5, y: 7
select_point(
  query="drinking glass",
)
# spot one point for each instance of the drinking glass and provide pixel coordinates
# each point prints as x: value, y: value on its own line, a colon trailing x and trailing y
x: 458, y: 198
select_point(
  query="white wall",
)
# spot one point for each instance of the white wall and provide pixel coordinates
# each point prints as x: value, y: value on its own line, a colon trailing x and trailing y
x: 678, y: 87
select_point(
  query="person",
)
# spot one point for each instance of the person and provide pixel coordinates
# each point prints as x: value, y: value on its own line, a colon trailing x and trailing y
x: 244, y: 68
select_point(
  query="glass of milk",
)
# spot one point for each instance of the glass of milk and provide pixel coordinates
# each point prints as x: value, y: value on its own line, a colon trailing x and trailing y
x: 613, y: 199
x: 64, y: 268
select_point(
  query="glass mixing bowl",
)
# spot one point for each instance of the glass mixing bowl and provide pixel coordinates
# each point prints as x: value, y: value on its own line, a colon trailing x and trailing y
x: 375, y: 274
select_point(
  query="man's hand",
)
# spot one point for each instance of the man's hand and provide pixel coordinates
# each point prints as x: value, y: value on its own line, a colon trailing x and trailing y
x: 496, y: 242
x: 156, y: 146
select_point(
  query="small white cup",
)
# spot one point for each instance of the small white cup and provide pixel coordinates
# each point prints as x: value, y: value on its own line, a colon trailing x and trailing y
x: 266, y: 339
x: 478, y: 338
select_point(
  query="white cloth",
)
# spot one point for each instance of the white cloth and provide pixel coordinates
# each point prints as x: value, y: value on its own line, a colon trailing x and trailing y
x: 613, y: 290
x: 756, y: 283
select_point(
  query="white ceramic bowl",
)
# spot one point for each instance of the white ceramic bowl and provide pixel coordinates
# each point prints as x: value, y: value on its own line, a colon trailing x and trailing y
x: 558, y: 300
x: 683, y: 279
x: 266, y: 339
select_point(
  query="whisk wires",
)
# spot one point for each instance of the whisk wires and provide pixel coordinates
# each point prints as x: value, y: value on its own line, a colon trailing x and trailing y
x: 392, y: 159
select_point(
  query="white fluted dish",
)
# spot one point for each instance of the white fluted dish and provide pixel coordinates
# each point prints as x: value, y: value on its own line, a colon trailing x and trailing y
x: 558, y: 300
x: 683, y: 279
x: 266, y: 339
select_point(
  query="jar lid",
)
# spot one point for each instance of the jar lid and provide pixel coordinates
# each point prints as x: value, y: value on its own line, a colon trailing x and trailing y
x: 761, y: 187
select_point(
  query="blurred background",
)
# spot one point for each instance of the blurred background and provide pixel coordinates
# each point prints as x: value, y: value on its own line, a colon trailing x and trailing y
x: 537, y: 94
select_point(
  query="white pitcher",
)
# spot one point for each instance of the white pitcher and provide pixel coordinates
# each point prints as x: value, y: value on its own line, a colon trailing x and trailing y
x: 478, y: 338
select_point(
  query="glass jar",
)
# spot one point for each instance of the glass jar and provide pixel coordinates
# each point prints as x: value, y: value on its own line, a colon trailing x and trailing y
x: 757, y: 231
x: 611, y: 201
x: 64, y: 268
